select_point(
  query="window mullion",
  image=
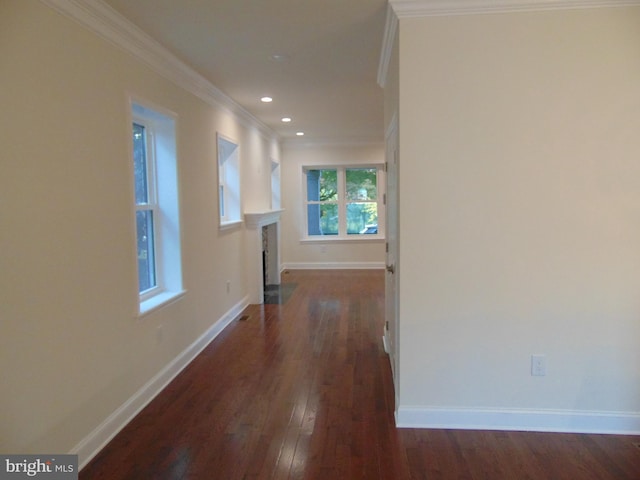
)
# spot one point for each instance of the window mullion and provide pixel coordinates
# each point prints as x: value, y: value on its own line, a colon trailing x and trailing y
x: 153, y: 206
x: 342, y: 203
x: 157, y: 244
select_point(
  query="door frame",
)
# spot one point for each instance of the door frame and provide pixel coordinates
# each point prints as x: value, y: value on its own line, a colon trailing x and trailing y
x: 391, y: 328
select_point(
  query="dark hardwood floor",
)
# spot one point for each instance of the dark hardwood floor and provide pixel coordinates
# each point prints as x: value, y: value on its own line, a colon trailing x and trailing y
x: 303, y: 390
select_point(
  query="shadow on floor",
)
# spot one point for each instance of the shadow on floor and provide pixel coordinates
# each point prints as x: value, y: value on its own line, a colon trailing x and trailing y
x: 278, y: 294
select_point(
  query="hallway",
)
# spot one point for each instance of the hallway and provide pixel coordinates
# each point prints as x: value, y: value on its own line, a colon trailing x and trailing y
x: 303, y: 390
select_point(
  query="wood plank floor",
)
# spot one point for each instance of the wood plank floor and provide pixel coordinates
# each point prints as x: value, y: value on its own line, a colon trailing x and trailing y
x: 303, y: 390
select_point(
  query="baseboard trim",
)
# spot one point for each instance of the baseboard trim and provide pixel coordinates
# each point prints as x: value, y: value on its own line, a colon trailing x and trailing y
x: 385, y: 344
x: 91, y: 445
x: 559, y: 421
x: 334, y: 266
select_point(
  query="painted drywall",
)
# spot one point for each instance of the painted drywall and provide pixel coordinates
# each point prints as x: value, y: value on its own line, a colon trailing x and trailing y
x: 520, y: 211
x: 391, y: 83
x: 72, y: 348
x: 391, y: 117
x: 299, y: 254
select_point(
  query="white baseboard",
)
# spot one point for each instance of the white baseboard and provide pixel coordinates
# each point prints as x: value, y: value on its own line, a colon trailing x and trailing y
x: 333, y: 266
x: 385, y: 344
x: 560, y: 421
x: 91, y: 445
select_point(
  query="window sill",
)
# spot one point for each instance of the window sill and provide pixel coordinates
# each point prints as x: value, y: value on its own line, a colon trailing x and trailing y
x: 158, y: 301
x: 350, y: 239
x: 231, y: 224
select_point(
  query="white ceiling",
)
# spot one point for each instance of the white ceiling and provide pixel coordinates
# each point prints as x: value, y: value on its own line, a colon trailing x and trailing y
x: 327, y: 84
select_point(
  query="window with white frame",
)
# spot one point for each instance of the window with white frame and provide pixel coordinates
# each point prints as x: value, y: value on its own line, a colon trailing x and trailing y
x: 344, y: 202
x: 156, y: 207
x: 146, y: 205
x: 229, y: 198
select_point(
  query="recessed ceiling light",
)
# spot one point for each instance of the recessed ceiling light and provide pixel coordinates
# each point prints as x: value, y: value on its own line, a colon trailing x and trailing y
x: 280, y: 57
x: 286, y: 119
x: 266, y: 99
x: 300, y: 134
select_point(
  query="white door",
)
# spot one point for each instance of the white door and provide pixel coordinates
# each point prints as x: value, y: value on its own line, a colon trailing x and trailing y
x: 391, y: 278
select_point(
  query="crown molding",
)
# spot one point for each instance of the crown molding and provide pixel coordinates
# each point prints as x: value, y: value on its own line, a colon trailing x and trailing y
x: 432, y: 8
x: 390, y: 28
x: 108, y: 24
x: 333, y: 142
x: 397, y: 9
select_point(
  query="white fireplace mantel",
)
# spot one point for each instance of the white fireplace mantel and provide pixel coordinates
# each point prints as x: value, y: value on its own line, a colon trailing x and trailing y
x: 255, y: 222
x: 260, y: 219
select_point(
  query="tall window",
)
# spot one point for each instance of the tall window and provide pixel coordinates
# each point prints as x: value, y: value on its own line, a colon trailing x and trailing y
x: 343, y: 202
x: 146, y: 205
x: 156, y: 207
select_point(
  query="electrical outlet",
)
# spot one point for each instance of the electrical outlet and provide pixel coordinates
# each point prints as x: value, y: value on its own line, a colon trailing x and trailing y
x: 538, y: 365
x: 228, y: 286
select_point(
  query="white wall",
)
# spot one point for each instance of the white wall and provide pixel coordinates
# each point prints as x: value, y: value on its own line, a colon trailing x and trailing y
x: 519, y: 223
x: 322, y: 254
x: 72, y: 349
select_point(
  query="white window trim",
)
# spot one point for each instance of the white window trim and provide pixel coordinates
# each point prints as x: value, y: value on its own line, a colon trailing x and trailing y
x: 342, y: 236
x: 276, y: 187
x: 222, y: 191
x: 231, y: 224
x: 370, y: 238
x: 167, y: 247
x: 160, y: 300
x: 232, y: 211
